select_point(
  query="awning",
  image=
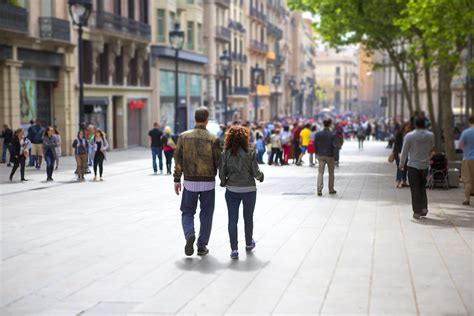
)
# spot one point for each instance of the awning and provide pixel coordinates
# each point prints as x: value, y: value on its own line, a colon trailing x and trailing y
x: 96, y: 101
x: 263, y: 90
x: 271, y: 56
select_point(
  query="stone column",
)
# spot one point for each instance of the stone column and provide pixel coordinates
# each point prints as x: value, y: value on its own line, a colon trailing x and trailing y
x: 10, y: 93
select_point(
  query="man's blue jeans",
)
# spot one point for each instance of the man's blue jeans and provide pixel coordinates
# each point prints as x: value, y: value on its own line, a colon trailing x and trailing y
x: 157, y: 152
x: 233, y: 204
x: 188, y: 208
x: 4, y: 152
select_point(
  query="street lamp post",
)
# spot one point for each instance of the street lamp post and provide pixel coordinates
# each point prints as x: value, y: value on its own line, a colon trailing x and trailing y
x: 257, y: 72
x: 226, y: 63
x: 80, y: 11
x: 176, y: 38
x: 276, y: 80
x: 302, y: 88
x: 292, y: 84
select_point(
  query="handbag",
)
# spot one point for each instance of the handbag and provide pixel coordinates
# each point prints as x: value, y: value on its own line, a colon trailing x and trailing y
x: 171, y: 143
x: 391, y: 158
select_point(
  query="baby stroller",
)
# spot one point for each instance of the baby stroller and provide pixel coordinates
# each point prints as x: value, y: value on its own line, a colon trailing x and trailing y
x: 438, y: 172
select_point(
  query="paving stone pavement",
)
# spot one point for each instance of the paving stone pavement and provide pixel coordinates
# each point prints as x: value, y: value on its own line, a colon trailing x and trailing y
x: 116, y: 247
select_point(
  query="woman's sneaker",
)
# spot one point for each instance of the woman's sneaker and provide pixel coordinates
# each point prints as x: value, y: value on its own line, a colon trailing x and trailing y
x: 234, y: 254
x: 250, y: 247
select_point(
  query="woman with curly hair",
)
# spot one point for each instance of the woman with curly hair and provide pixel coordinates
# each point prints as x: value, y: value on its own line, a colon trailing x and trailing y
x: 237, y: 172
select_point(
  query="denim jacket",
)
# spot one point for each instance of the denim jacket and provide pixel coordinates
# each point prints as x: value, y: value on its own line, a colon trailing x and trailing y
x: 196, y: 156
x: 240, y: 170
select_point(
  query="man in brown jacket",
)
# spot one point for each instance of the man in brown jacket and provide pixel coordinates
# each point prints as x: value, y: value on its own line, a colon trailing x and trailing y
x: 197, y: 158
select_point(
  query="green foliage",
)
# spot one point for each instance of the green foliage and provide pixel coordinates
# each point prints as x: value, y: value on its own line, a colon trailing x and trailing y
x: 14, y: 3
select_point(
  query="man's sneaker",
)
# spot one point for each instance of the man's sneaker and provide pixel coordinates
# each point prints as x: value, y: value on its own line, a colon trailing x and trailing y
x: 416, y: 216
x: 320, y: 193
x: 202, y: 251
x: 250, y: 247
x: 333, y: 192
x: 189, y: 248
x: 466, y: 203
x: 424, y: 212
x: 234, y: 254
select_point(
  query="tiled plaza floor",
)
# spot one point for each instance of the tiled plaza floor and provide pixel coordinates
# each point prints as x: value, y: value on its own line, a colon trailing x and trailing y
x: 116, y: 247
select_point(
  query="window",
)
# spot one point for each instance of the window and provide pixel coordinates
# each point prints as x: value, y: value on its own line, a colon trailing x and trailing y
x: 338, y: 71
x: 190, y: 36
x: 236, y: 76
x: 118, y: 7
x: 199, y: 37
x: 102, y: 75
x: 46, y: 8
x: 131, y: 9
x: 133, y: 71
x: 160, y: 26
x: 337, y: 82
x: 144, y: 11
x: 118, y: 76
x: 146, y: 73
x: 337, y: 98
x: 87, y: 46
x: 241, y: 78
x: 171, y: 21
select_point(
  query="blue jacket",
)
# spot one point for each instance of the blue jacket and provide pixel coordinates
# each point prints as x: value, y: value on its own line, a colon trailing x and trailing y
x: 324, y: 143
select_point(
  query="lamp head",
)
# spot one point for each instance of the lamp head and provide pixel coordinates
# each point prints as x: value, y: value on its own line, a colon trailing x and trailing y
x: 80, y: 11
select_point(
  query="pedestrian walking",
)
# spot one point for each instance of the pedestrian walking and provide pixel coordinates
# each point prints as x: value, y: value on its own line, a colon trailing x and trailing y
x: 29, y: 136
x: 36, y: 135
x: 99, y: 146
x: 169, y: 146
x: 286, y: 143
x: 49, y: 150
x: 324, y: 146
x: 58, y: 146
x: 311, y: 146
x: 295, y: 141
x: 275, y: 143
x: 7, y: 135
x: 156, y: 145
x: 80, y: 152
x: 401, y: 176
x: 260, y: 147
x: 466, y: 143
x: 237, y: 172
x: 361, y: 136
x: 417, y: 147
x: 90, y: 137
x: 19, y: 152
x: 197, y: 159
x: 339, y: 131
x: 304, y: 142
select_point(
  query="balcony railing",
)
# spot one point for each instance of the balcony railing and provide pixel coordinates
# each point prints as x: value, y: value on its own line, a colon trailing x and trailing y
x: 223, y: 33
x: 257, y: 14
x: 236, y: 26
x: 13, y: 18
x: 259, y: 46
x: 239, y: 58
x: 54, y: 29
x: 274, y: 30
x: 223, y: 3
x: 120, y: 24
x: 236, y: 90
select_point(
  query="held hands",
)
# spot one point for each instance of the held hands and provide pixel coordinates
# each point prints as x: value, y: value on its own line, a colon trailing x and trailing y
x: 177, y: 187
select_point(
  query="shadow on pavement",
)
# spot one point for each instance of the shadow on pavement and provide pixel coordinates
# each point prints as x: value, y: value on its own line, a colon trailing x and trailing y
x: 463, y: 219
x: 210, y: 265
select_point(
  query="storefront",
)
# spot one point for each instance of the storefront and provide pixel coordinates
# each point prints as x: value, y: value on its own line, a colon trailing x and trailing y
x: 135, y: 119
x: 94, y: 112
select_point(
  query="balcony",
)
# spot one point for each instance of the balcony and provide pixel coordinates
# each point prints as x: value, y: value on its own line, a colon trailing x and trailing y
x: 239, y: 58
x: 13, y: 19
x: 240, y: 91
x: 54, y: 29
x: 223, y: 33
x: 223, y: 3
x: 116, y: 23
x: 274, y: 30
x: 236, y: 26
x: 258, y: 15
x: 258, y: 46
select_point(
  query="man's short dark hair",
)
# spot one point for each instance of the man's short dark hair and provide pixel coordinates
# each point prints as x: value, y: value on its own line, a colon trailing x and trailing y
x: 471, y: 119
x: 420, y: 122
x: 327, y: 123
x: 201, y: 115
x: 307, y: 125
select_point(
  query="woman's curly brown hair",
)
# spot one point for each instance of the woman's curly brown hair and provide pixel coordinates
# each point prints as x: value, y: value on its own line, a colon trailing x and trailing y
x: 237, y: 137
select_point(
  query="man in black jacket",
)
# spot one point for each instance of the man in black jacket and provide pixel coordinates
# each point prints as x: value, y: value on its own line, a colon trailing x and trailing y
x: 7, y: 135
x: 324, y: 147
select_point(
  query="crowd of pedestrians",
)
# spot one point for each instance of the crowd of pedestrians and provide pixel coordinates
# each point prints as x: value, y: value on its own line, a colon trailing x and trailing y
x: 44, y: 143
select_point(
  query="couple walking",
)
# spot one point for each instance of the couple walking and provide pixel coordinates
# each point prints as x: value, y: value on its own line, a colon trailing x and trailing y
x: 197, y: 158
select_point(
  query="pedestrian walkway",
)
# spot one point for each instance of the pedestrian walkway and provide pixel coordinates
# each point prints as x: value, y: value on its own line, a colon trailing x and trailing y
x: 116, y: 247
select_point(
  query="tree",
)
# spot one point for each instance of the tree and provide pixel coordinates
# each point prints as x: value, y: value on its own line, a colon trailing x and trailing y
x: 370, y: 22
x: 444, y: 27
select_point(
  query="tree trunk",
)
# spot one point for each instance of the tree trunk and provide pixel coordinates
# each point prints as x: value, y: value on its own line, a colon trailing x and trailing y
x: 416, y: 88
x: 445, y: 94
x: 429, y: 94
x: 401, y: 74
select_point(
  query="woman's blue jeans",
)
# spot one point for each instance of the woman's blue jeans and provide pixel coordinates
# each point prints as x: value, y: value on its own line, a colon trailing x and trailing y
x: 233, y: 204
